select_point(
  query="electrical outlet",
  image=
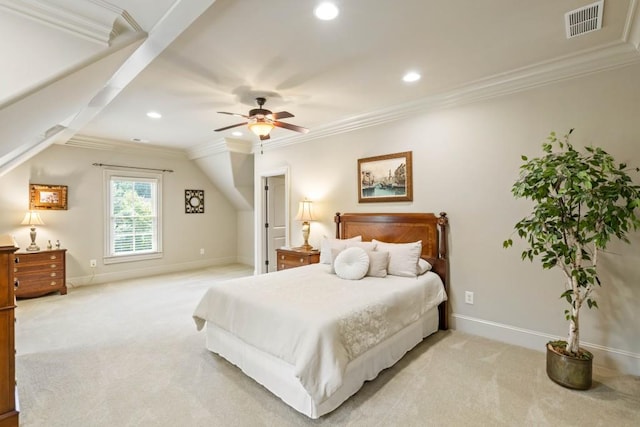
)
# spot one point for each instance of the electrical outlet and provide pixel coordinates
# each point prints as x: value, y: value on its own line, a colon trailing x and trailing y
x: 201, y: 251
x: 93, y: 263
x: 468, y: 297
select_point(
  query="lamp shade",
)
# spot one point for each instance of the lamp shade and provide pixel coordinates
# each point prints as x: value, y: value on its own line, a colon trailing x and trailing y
x: 32, y: 218
x: 305, y: 212
x: 261, y: 127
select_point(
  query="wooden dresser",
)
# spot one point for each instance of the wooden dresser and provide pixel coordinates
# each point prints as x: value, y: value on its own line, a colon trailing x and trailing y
x: 40, y: 273
x: 8, y: 401
x: 291, y: 258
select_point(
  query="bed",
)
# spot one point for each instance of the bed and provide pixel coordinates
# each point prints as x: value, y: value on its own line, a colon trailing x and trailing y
x: 313, y: 338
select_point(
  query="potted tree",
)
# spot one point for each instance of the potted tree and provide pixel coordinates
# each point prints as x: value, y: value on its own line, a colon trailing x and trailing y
x: 582, y: 199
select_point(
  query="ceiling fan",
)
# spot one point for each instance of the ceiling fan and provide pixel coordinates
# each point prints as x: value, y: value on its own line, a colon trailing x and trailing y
x: 261, y: 121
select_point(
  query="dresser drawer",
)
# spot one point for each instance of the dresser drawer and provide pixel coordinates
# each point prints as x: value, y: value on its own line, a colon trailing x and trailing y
x: 40, y: 267
x: 39, y: 257
x: 39, y: 287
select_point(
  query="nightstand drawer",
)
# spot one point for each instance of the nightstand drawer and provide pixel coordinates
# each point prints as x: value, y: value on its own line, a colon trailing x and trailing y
x: 290, y: 258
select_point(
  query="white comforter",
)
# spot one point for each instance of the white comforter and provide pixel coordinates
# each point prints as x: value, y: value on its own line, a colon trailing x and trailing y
x: 316, y: 321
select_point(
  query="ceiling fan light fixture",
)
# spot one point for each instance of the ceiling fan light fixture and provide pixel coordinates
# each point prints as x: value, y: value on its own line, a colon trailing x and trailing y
x: 261, y: 127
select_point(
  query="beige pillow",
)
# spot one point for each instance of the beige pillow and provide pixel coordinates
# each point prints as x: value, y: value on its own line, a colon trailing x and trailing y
x: 403, y: 257
x: 423, y: 266
x: 327, y: 244
x: 335, y: 251
x: 378, y: 263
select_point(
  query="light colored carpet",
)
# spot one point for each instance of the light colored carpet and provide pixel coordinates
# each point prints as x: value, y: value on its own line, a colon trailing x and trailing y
x: 128, y: 354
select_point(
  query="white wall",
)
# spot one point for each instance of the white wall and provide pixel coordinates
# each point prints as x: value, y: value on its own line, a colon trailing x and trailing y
x: 245, y: 237
x: 80, y: 228
x: 465, y: 160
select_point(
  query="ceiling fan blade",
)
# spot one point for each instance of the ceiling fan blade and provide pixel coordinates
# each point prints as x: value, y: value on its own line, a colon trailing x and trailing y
x: 229, y: 127
x: 262, y: 138
x: 233, y: 114
x: 282, y: 115
x: 291, y: 127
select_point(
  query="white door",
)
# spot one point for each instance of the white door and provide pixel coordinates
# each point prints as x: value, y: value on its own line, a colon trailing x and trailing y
x: 276, y: 221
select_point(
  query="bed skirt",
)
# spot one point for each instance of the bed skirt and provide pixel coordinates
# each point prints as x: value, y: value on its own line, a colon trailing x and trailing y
x: 278, y: 376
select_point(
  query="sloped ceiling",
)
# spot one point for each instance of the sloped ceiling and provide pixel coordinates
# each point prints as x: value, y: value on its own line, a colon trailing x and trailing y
x: 80, y: 55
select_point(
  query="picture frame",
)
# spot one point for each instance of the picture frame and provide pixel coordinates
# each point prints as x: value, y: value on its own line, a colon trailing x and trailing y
x: 387, y: 178
x: 47, y: 197
x: 193, y: 201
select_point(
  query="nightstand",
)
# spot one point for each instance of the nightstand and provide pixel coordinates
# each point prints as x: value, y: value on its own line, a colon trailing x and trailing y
x: 40, y: 272
x: 291, y: 258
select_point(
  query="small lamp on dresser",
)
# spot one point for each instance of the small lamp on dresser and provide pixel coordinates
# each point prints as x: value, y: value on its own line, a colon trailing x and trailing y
x: 32, y: 219
x: 305, y: 215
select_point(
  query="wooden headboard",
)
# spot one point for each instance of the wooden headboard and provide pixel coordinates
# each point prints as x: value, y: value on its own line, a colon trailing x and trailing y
x: 404, y: 228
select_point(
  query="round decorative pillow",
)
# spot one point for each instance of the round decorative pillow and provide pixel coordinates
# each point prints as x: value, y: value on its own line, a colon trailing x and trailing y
x: 352, y: 263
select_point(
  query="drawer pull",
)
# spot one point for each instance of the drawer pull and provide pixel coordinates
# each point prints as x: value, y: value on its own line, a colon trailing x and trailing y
x: 281, y: 256
x: 53, y: 257
x: 16, y: 260
x: 54, y: 265
x: 54, y: 274
x: 301, y: 260
x: 281, y: 266
x: 15, y: 269
x: 16, y: 283
x: 53, y: 283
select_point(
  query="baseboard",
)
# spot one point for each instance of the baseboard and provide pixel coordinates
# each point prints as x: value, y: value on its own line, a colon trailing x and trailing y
x: 115, y: 276
x: 247, y: 260
x: 619, y: 360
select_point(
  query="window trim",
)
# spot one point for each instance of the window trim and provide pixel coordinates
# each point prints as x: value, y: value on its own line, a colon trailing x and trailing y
x: 109, y: 174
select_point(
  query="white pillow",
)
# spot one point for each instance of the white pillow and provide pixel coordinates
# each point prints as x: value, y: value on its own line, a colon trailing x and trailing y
x: 352, y: 263
x: 334, y: 254
x: 328, y: 243
x: 378, y: 263
x: 423, y: 266
x: 367, y: 246
x: 403, y: 257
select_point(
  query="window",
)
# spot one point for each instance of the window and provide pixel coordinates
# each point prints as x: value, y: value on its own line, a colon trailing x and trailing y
x: 133, y: 216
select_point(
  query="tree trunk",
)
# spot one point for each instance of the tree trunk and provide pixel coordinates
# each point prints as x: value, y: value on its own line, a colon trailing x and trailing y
x: 573, y: 340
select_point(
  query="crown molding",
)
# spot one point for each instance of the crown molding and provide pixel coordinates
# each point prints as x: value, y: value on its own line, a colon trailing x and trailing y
x: 631, y: 32
x: 209, y: 148
x: 97, y: 23
x: 614, y: 55
x: 224, y: 145
x: 92, y: 143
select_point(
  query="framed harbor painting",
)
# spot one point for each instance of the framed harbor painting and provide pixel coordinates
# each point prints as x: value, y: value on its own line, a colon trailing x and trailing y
x: 385, y: 178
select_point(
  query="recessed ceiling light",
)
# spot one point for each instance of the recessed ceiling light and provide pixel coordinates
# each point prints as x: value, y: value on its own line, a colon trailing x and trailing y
x: 411, y: 76
x: 154, y: 114
x: 139, y: 140
x: 236, y: 133
x: 326, y: 11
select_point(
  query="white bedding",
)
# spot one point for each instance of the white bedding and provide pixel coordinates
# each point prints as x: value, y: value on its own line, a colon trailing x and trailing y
x: 316, y: 321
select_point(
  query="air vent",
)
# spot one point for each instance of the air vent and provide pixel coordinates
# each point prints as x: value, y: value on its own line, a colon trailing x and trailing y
x: 584, y: 20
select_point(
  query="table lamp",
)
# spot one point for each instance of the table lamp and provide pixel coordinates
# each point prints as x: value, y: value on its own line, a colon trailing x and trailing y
x: 305, y: 215
x: 32, y: 219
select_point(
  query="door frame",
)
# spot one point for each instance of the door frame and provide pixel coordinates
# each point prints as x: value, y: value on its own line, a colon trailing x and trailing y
x: 260, y: 203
